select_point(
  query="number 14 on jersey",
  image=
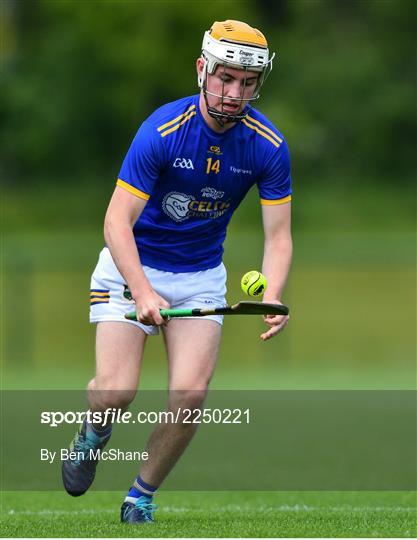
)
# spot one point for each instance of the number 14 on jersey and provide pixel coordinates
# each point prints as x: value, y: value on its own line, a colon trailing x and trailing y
x: 213, y: 166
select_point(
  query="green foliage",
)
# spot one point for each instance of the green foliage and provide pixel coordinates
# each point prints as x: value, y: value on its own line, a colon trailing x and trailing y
x: 85, y: 74
x: 81, y: 76
x: 346, y: 88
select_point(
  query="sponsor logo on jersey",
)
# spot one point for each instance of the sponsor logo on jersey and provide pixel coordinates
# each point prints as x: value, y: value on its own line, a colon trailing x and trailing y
x: 214, y: 150
x: 184, y: 163
x: 208, y: 209
x: 181, y: 206
x: 212, y: 193
x: 236, y: 170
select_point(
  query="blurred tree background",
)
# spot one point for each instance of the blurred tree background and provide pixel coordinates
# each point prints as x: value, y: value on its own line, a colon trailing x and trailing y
x: 80, y: 76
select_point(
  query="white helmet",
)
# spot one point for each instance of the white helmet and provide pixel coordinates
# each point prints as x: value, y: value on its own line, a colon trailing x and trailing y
x: 236, y: 45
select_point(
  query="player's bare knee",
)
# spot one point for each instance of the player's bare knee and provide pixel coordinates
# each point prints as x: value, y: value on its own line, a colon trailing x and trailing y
x: 104, y: 395
x: 116, y: 399
x: 186, y: 399
x: 92, y: 395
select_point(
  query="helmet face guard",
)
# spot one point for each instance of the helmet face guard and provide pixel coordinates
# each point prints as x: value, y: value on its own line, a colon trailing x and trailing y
x: 233, y: 44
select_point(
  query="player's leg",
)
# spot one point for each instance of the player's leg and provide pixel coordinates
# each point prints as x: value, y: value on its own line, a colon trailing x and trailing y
x: 192, y: 347
x: 119, y: 350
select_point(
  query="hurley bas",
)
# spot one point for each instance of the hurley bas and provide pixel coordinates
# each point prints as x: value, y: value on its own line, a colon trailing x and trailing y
x: 113, y: 454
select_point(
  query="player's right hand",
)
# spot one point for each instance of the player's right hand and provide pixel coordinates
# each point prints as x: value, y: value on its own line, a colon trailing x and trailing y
x: 148, y: 306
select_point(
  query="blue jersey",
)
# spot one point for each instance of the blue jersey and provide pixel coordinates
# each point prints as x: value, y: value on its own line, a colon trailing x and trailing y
x: 194, y: 179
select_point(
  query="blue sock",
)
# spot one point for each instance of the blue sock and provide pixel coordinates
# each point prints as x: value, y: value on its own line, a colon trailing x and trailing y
x: 140, y: 489
x: 103, y: 433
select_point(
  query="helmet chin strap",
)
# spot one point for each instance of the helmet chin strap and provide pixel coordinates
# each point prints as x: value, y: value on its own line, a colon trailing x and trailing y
x: 222, y: 117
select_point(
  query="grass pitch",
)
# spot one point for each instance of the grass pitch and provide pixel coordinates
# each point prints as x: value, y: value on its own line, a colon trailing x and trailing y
x: 220, y: 514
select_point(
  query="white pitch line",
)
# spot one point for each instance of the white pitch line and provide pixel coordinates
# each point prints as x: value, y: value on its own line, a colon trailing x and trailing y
x: 296, y: 508
x: 223, y: 509
x: 13, y: 512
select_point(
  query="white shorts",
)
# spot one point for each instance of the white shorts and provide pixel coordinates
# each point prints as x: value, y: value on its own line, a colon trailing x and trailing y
x: 108, y: 293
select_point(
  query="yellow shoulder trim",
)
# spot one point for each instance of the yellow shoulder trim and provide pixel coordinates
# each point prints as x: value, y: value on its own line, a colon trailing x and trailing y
x: 133, y: 190
x: 274, y: 135
x: 161, y: 128
x: 270, y: 139
x: 170, y: 130
x: 270, y: 202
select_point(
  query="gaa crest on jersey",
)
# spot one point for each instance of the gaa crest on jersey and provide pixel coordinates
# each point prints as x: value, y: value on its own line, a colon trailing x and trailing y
x: 176, y: 205
x: 184, y: 163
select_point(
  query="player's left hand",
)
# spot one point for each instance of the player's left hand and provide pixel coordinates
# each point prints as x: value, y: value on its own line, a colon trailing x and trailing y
x: 276, y: 323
